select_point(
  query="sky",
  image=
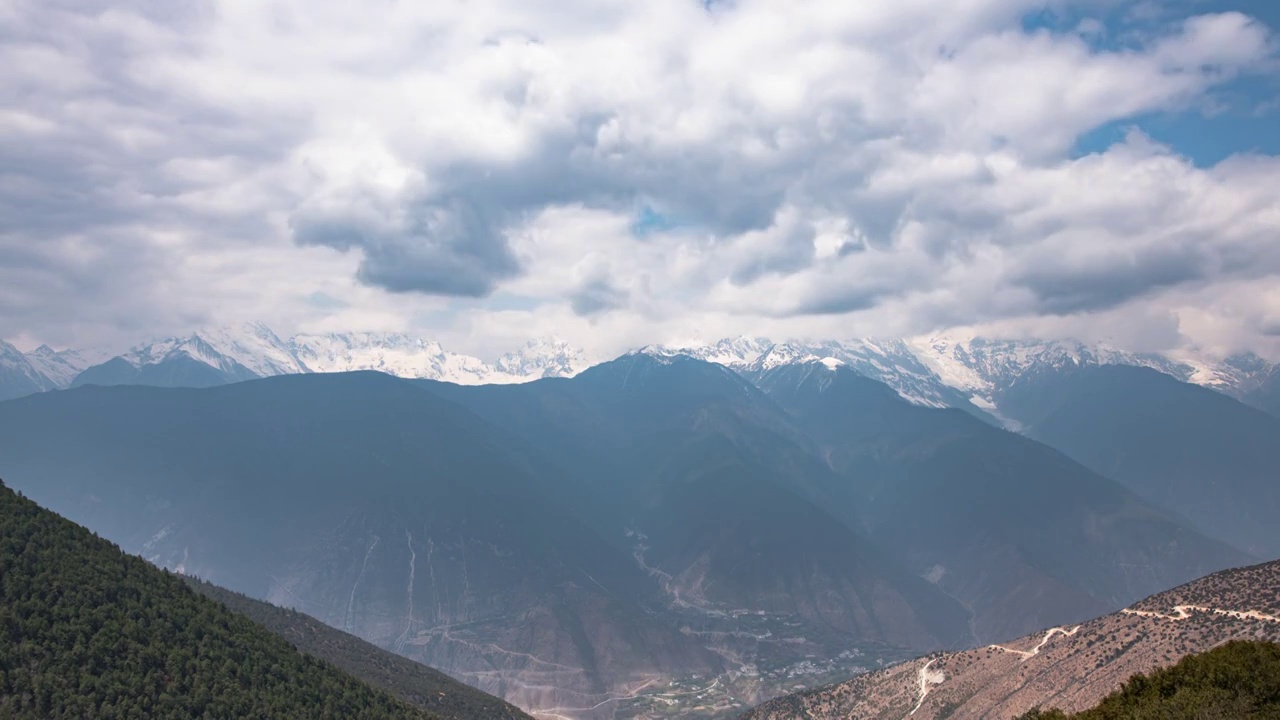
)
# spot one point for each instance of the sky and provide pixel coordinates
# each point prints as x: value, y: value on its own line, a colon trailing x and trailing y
x: 613, y: 173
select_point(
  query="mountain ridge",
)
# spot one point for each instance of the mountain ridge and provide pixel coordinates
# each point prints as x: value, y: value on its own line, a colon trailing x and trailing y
x: 967, y: 373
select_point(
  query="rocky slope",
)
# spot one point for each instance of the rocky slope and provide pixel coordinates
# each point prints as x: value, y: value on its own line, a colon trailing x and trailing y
x: 1071, y: 667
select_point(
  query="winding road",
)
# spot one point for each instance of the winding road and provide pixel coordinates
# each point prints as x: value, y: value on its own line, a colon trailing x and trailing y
x: 1036, y: 650
x: 1184, y: 611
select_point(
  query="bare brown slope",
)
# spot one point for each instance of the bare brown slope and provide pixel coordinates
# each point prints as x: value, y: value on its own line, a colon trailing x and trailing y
x: 1071, y: 668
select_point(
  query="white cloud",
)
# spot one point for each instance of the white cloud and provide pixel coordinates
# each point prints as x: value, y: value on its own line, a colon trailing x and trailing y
x: 476, y: 171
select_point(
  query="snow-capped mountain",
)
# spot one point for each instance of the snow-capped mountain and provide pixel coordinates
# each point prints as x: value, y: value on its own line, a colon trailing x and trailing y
x: 970, y: 373
x: 252, y: 347
x: 985, y: 365
x: 548, y: 357
x: 392, y: 353
x: 733, y: 352
x: 62, y: 366
x: 18, y: 376
x: 218, y: 355
x: 893, y: 362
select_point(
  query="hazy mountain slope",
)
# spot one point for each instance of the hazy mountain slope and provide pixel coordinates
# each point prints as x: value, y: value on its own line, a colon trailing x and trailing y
x: 414, y: 683
x: 713, y: 490
x: 1020, y: 533
x: 1072, y: 667
x: 1266, y: 396
x: 1193, y: 451
x: 718, y: 482
x: 725, y: 535
x: 177, y: 370
x: 92, y: 632
x: 373, y: 505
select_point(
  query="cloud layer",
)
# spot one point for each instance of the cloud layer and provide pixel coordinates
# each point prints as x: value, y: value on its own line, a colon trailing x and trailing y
x: 622, y: 173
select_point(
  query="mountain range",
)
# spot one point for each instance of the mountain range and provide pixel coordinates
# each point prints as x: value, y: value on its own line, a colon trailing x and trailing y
x: 969, y: 373
x: 657, y: 535
x: 221, y: 355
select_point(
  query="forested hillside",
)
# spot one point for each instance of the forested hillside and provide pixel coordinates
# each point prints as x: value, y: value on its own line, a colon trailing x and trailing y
x: 87, y: 631
x: 415, y: 683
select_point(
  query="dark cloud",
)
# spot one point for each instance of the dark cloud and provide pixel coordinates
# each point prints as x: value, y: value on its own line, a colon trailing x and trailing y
x: 595, y: 297
x: 443, y: 247
x: 840, y: 301
x: 452, y: 240
x: 785, y: 252
x: 1063, y: 286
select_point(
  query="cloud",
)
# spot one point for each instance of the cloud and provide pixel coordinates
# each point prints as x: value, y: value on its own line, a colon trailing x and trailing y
x: 447, y: 246
x: 815, y: 168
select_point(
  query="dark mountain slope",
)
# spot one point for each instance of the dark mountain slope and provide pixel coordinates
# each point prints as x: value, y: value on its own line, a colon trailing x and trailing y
x: 728, y: 535
x: 1190, y: 450
x: 1023, y: 535
x: 416, y: 684
x: 92, y: 632
x: 723, y: 493
x: 370, y: 504
x: 1266, y: 396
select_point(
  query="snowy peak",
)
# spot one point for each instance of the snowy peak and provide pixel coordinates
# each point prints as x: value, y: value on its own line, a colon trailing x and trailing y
x: 549, y: 357
x: 733, y: 352
x: 1238, y: 374
x: 18, y: 376
x: 889, y: 361
x: 969, y: 373
x: 251, y: 347
x: 253, y: 350
x: 412, y: 357
x: 984, y: 365
x: 62, y: 366
x: 779, y: 355
x: 12, y: 358
x: 392, y: 353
